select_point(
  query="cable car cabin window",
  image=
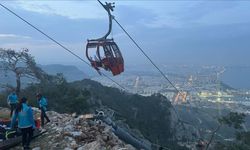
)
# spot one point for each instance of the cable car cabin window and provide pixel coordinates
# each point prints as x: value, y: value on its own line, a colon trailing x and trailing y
x: 116, y: 50
x: 104, y: 57
x: 108, y: 51
x: 92, y: 53
x: 101, y: 53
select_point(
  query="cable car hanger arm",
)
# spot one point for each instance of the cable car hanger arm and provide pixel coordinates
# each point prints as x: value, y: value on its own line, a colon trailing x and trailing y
x: 108, y: 7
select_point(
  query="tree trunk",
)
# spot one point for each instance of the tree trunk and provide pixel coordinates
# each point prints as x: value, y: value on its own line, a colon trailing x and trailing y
x: 18, y: 84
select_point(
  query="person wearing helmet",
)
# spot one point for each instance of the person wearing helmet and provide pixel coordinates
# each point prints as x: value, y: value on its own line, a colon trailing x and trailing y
x: 42, y: 101
x: 26, y: 123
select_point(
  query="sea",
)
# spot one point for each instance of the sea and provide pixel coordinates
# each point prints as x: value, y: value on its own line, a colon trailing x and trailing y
x: 237, y: 77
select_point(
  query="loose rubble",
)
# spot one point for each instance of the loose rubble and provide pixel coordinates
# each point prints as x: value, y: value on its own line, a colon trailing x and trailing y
x: 72, y: 132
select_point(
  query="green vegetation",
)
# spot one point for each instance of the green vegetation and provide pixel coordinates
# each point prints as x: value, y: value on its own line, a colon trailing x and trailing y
x: 61, y: 96
x: 235, y: 120
x: 150, y: 115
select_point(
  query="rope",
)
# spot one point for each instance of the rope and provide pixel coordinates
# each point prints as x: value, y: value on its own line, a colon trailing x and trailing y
x: 55, y: 41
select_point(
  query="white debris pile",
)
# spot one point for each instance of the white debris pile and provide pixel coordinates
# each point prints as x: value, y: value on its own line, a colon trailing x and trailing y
x: 77, y: 133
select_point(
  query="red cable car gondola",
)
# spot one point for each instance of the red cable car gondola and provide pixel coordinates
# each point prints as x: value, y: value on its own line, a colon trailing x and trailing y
x: 107, y: 54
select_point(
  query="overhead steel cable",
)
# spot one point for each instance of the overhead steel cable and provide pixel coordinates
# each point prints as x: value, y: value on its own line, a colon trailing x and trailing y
x: 61, y: 45
x: 144, y: 53
x: 152, y: 62
x: 65, y: 48
x: 161, y: 72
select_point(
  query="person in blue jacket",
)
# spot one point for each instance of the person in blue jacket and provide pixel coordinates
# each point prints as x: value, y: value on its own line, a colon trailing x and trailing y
x: 26, y: 122
x: 12, y: 101
x: 42, y: 101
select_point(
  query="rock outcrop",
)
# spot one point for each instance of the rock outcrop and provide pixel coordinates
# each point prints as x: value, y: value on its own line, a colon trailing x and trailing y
x: 71, y: 132
x: 76, y: 132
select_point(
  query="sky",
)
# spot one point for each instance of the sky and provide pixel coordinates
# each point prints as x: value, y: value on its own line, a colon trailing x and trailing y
x: 196, y: 32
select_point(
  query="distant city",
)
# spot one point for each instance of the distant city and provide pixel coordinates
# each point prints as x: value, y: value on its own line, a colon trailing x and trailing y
x: 216, y: 87
x: 203, y: 86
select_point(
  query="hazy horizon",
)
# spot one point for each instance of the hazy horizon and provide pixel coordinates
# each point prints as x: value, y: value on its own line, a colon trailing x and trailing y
x: 171, y: 32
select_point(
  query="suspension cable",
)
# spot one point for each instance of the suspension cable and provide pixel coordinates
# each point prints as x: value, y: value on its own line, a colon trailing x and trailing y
x: 61, y: 45
x: 144, y: 53
x: 65, y: 48
x: 161, y: 72
x: 151, y: 61
x: 71, y: 52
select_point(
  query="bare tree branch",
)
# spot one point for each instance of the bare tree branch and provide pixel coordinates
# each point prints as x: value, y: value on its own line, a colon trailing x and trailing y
x: 22, y: 64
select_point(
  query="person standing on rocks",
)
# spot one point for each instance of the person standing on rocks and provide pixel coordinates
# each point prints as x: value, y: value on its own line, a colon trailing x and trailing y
x: 42, y: 101
x: 12, y: 101
x: 26, y: 122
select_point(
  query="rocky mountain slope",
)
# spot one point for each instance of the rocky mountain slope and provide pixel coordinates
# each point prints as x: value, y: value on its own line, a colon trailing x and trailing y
x: 152, y: 118
x: 71, y: 132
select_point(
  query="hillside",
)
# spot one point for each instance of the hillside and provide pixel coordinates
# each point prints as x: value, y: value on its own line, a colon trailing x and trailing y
x: 71, y: 73
x: 152, y: 118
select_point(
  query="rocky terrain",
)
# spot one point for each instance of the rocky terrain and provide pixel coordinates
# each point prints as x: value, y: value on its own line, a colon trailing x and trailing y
x: 71, y: 132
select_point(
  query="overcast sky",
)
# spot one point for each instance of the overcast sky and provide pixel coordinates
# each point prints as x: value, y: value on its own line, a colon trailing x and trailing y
x: 171, y: 32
